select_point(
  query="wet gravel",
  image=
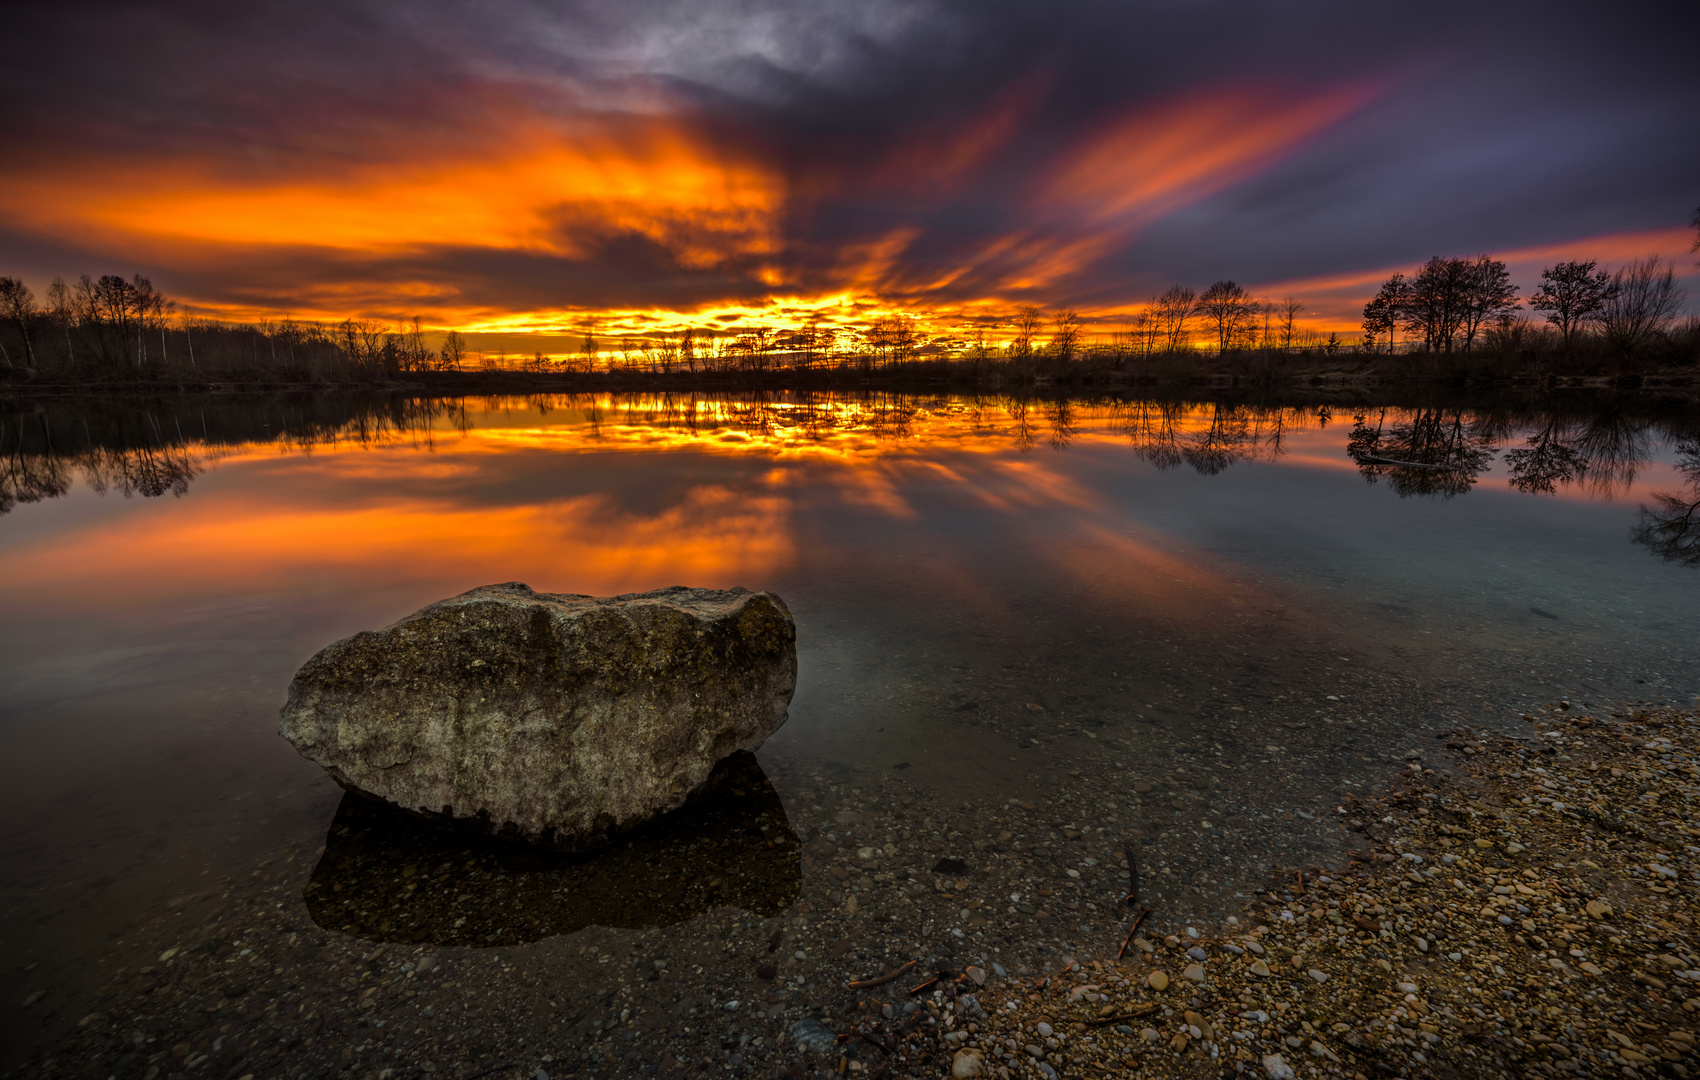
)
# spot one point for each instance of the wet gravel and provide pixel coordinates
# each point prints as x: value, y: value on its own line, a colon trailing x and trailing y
x: 1511, y: 906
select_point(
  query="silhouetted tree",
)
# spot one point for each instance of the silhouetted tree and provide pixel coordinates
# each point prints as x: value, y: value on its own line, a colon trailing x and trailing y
x: 1027, y: 322
x: 1172, y: 310
x: 1289, y: 310
x: 1488, y: 295
x: 1644, y: 300
x: 1230, y: 311
x: 1572, y: 294
x: 1438, y: 301
x: 453, y: 351
x: 17, y: 306
x: 1382, y: 314
x: 1065, y: 336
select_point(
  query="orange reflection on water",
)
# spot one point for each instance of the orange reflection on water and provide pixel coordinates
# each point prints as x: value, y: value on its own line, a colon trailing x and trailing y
x: 714, y: 535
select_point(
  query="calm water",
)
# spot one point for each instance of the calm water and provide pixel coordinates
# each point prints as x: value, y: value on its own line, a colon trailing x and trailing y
x: 1206, y: 620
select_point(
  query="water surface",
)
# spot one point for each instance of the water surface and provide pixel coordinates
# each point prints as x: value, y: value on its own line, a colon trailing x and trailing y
x: 1189, y: 626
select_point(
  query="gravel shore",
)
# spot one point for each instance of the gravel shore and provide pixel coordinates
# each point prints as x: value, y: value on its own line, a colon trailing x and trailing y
x: 1530, y: 912
x: 1511, y: 906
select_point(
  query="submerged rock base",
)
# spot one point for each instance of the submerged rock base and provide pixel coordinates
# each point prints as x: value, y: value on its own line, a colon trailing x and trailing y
x: 560, y: 720
x: 386, y: 875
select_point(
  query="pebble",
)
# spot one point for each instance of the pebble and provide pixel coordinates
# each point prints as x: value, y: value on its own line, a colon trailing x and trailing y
x: 1159, y: 981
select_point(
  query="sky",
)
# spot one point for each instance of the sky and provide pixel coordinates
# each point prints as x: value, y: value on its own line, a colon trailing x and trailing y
x: 520, y: 167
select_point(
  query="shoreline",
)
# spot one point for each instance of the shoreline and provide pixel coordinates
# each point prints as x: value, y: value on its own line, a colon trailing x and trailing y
x: 922, y: 379
x: 244, y: 983
x: 1499, y: 928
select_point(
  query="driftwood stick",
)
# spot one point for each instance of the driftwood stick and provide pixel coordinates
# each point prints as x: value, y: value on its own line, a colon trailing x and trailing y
x: 881, y: 980
x: 1132, y: 900
x: 1131, y: 1014
x: 1138, y: 921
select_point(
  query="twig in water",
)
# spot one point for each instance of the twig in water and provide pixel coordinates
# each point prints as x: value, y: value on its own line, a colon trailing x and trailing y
x: 1132, y: 877
x: 883, y: 979
x: 1138, y: 921
x: 926, y: 985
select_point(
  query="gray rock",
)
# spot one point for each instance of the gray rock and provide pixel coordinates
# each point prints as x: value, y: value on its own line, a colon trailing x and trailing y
x: 814, y: 1036
x: 558, y: 719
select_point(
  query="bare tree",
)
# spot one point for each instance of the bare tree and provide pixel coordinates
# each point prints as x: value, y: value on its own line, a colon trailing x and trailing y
x: 1437, y: 302
x: 1572, y: 294
x: 1488, y: 294
x: 1065, y: 336
x: 1172, y: 310
x: 1028, y: 319
x: 1230, y: 310
x: 452, y: 352
x: 1644, y: 301
x: 17, y: 306
x: 1289, y: 308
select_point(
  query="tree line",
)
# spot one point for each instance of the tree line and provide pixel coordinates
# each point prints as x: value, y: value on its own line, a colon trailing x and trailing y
x: 1451, y: 304
x: 117, y: 328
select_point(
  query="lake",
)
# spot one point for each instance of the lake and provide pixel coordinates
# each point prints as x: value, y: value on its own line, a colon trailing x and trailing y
x: 1032, y: 633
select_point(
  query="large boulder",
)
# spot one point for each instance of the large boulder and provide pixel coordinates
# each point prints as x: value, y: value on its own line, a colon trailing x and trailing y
x: 558, y: 719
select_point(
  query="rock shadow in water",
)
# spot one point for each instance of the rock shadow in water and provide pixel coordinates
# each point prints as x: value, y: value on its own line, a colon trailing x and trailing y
x: 387, y: 875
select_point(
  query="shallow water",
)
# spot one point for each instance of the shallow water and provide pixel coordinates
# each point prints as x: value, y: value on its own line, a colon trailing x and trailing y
x: 1192, y: 627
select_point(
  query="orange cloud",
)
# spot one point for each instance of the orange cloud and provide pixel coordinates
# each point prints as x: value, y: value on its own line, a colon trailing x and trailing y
x: 1155, y: 160
x: 523, y: 183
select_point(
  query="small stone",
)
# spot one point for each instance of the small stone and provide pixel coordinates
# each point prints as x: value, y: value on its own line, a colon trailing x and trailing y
x: 1258, y: 967
x: 1276, y: 1068
x: 1197, y: 953
x: 1194, y: 973
x: 1158, y: 980
x: 966, y: 1064
x: 1045, y: 1030
x: 1598, y: 909
x: 814, y: 1036
x: 1319, y: 976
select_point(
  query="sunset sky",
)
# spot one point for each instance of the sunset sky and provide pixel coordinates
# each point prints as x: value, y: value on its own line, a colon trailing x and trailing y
x: 515, y: 167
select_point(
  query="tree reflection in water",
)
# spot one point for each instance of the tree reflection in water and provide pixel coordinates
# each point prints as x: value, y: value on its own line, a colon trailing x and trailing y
x: 1422, y: 451
x: 1439, y: 450
x: 1670, y: 527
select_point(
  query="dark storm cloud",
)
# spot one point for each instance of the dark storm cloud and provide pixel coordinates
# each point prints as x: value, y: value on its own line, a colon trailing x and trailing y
x: 944, y: 131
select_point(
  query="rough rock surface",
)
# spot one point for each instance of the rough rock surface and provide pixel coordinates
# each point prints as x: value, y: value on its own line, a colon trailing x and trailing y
x: 558, y: 719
